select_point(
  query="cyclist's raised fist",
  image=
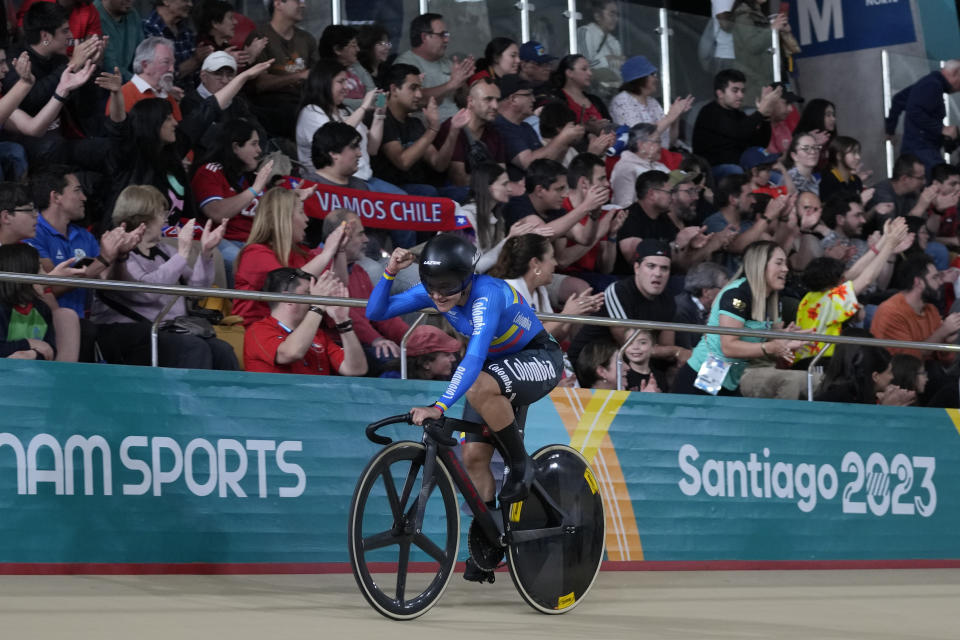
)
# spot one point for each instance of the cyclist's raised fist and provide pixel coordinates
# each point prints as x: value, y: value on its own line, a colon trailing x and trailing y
x: 400, y: 259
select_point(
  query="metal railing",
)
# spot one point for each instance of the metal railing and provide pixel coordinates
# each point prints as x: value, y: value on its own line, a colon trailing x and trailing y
x: 202, y: 292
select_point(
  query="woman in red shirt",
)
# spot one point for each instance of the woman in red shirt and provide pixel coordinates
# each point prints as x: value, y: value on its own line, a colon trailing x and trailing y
x: 572, y: 79
x: 500, y: 58
x: 227, y: 186
x: 275, y: 241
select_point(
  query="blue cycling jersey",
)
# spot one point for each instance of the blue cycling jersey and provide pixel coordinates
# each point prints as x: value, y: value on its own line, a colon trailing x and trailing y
x: 496, y: 318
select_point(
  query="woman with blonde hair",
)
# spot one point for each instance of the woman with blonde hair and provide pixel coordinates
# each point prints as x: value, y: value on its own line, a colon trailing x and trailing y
x: 751, y: 300
x: 125, y: 317
x: 275, y: 241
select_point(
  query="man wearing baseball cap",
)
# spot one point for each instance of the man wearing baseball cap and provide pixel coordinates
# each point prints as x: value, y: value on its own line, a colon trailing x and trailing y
x: 218, y: 69
x: 684, y: 196
x: 692, y: 245
x: 535, y: 63
x: 638, y: 297
x: 522, y: 142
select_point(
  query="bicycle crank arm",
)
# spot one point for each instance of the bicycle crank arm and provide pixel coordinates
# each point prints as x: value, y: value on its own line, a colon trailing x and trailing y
x: 517, y: 537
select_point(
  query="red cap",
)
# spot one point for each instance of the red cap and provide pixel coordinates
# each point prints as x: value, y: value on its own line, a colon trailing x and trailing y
x: 429, y: 339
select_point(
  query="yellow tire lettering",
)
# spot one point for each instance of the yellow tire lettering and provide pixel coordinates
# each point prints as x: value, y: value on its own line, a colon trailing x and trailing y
x: 591, y: 480
x: 565, y: 601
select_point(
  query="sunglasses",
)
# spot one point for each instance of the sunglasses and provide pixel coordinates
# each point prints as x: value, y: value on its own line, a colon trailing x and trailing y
x: 445, y: 288
x: 299, y: 274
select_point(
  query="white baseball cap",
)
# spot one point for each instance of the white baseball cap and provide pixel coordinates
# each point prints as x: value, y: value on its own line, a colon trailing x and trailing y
x: 218, y: 60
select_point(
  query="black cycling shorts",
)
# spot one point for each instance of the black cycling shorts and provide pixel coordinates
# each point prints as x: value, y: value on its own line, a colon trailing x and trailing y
x: 524, y: 377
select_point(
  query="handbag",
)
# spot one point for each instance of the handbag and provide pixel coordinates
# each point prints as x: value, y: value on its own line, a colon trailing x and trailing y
x: 189, y: 324
x: 198, y: 322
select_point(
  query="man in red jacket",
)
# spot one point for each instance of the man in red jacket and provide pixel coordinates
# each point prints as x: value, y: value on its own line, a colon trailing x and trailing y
x: 292, y: 340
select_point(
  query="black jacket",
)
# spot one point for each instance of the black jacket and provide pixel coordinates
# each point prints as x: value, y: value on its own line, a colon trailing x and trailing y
x: 721, y: 135
x: 127, y: 166
x: 83, y: 109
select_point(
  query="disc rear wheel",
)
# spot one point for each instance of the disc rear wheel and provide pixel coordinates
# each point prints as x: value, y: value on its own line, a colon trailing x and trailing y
x: 554, y: 573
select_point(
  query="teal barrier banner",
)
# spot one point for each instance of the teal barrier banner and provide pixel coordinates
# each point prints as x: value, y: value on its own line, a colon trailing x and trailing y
x: 126, y: 465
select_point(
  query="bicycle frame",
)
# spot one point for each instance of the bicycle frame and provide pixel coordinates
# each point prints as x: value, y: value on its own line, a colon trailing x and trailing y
x: 439, y: 442
x: 554, y: 554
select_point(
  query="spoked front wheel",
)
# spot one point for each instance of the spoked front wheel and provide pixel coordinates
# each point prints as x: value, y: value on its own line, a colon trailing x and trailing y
x: 553, y: 573
x: 401, y: 572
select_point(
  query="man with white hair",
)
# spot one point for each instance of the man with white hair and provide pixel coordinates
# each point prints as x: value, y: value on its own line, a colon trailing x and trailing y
x: 924, y: 134
x: 153, y: 65
x: 700, y: 288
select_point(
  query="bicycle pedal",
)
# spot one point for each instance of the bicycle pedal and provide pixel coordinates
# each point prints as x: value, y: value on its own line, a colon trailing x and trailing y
x: 483, y: 555
x: 483, y: 576
x: 473, y: 573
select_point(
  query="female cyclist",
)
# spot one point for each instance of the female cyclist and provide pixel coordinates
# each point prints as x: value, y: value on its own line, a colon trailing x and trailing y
x: 510, y: 362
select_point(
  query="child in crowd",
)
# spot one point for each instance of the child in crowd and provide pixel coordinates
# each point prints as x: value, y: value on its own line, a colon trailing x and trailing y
x: 843, y: 172
x: 760, y: 164
x: 641, y: 376
x: 27, y: 324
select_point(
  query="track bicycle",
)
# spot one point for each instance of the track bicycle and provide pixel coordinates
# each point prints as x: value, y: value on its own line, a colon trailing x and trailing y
x: 404, y: 528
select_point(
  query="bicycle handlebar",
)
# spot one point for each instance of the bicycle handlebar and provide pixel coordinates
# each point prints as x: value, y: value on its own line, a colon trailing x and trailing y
x: 434, y: 429
x: 372, y: 428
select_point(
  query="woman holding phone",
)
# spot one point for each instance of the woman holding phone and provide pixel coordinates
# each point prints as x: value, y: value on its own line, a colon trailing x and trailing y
x: 323, y: 100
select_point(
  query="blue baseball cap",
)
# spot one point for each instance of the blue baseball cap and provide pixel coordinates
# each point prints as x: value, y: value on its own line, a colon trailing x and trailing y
x: 756, y: 156
x: 533, y: 51
x: 635, y: 68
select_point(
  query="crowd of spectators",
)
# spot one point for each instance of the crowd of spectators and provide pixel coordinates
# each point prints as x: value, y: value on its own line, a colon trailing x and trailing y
x: 164, y: 149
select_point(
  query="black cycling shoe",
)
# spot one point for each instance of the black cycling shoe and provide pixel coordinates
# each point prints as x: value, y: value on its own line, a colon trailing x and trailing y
x: 516, y: 486
x: 473, y: 573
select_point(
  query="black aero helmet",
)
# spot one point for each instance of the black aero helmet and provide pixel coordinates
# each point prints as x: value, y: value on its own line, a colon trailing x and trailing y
x: 447, y: 264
